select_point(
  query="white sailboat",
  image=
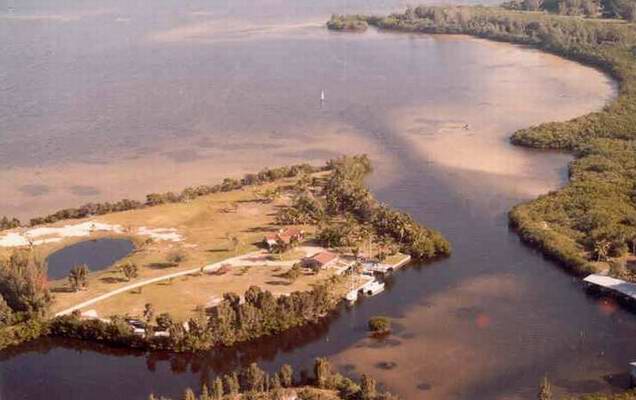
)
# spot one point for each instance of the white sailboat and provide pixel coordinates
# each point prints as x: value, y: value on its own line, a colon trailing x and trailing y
x: 322, y: 96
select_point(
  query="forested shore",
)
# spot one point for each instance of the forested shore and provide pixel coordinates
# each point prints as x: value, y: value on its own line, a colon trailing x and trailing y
x: 590, y: 224
x: 338, y: 203
x: 254, y: 383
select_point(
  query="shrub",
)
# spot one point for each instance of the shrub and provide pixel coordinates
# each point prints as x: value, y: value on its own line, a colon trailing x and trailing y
x: 379, y: 325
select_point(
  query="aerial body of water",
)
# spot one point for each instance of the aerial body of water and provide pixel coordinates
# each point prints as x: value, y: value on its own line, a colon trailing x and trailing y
x: 96, y: 254
x: 115, y: 100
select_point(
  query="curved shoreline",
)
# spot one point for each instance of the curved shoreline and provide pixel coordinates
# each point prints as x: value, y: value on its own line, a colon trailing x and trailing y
x: 272, y: 356
x: 604, y: 133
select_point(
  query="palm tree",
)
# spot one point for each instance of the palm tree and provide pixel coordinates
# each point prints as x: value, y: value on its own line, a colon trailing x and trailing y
x: 601, y: 249
x: 149, y: 312
x: 545, y: 390
x: 78, y: 277
x: 356, y: 252
x: 129, y: 270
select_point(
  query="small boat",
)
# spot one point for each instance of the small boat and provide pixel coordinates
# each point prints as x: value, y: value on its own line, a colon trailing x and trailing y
x: 372, y: 288
x: 322, y: 96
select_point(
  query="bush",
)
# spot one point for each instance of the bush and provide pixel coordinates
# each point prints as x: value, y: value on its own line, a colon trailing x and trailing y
x: 379, y: 325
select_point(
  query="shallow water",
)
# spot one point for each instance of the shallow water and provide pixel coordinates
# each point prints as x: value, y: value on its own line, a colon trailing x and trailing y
x: 95, y: 254
x: 188, y: 93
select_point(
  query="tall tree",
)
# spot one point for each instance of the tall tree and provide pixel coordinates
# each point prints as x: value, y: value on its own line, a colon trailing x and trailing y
x: 253, y: 378
x: 545, y: 390
x: 217, y: 389
x: 23, y: 281
x: 78, y: 277
x: 286, y: 375
x: 189, y: 395
x: 205, y: 394
x: 367, y: 387
x: 322, y: 372
x: 232, y: 385
x: 129, y: 270
x: 149, y: 312
x: 5, y: 312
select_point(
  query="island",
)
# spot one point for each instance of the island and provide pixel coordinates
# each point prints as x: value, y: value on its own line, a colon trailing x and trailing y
x: 348, y: 23
x: 212, y: 265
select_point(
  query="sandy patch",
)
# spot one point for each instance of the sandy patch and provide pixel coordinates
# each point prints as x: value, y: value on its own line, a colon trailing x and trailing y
x: 213, y: 30
x: 169, y: 234
x: 474, y: 142
x: 53, y: 234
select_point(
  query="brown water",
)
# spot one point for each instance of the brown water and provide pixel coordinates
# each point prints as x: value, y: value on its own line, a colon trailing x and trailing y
x: 119, y: 100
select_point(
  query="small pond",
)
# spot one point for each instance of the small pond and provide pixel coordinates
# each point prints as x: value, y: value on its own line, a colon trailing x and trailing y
x: 97, y: 254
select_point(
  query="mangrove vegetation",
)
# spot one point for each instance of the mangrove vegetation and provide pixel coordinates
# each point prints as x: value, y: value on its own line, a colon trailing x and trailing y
x: 593, y: 219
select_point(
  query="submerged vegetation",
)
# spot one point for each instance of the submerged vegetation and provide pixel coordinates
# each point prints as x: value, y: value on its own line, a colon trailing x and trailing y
x: 593, y: 218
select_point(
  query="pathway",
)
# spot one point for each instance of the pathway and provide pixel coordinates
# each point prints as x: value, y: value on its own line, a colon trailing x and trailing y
x: 249, y: 259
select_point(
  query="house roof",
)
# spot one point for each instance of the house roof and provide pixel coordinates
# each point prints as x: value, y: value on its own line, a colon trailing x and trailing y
x: 290, y: 231
x: 324, y: 257
x: 285, y: 234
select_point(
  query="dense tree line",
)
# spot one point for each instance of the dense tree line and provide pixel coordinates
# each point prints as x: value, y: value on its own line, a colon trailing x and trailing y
x: 8, y: 223
x: 347, y: 23
x: 347, y: 214
x: 593, y: 218
x: 24, y: 298
x: 232, y: 321
x: 345, y: 194
x: 23, y: 282
x: 190, y: 193
x: 252, y: 382
x: 620, y: 9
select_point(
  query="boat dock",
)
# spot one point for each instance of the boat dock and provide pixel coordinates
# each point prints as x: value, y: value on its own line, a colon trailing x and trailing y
x: 627, y: 289
x: 381, y: 268
x: 373, y: 285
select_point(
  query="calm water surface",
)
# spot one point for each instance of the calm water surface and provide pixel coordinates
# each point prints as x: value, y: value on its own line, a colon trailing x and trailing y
x: 96, y: 254
x: 118, y: 99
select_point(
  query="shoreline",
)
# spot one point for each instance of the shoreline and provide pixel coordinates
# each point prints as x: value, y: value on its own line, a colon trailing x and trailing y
x: 327, y: 194
x: 571, y: 256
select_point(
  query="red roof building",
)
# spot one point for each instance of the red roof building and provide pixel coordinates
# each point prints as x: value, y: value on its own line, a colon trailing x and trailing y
x: 322, y: 259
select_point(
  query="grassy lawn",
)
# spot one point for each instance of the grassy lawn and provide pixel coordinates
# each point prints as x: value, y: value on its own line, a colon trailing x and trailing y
x: 207, y: 225
x: 181, y: 296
